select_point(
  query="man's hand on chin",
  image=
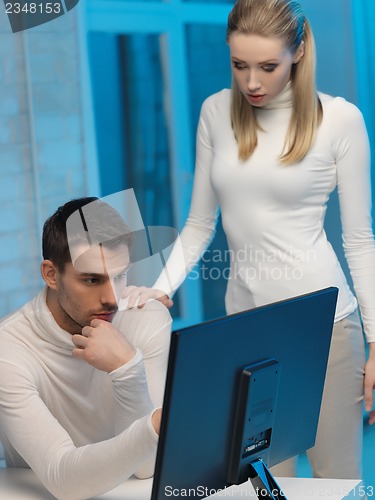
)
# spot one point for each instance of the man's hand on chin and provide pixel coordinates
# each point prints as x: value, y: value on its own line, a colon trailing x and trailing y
x: 102, y: 346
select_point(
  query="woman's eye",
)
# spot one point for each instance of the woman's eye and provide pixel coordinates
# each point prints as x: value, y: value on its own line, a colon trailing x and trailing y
x: 237, y: 65
x: 269, y: 69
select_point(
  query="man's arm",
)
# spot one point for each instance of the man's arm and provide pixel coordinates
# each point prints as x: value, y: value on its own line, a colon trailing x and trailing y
x: 66, y: 470
x: 149, y: 330
x: 107, y: 347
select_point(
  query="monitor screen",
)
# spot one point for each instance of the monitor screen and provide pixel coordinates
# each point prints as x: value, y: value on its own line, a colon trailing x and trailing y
x: 257, y: 375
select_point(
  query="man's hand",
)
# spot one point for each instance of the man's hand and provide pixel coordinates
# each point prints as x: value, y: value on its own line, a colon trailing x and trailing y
x: 139, y: 295
x: 155, y: 420
x: 370, y: 383
x: 102, y: 346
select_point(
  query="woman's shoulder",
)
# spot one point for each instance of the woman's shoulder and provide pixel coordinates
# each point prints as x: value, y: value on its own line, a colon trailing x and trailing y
x: 217, y: 103
x: 338, y: 107
x: 342, y: 119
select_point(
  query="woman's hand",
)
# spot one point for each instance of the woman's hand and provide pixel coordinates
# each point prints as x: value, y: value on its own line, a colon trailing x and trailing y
x: 370, y: 383
x: 138, y: 295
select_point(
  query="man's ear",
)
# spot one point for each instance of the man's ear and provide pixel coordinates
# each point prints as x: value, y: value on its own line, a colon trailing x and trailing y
x: 49, y: 273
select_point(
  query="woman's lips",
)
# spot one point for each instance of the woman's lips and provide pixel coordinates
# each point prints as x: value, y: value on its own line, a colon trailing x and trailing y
x: 255, y: 98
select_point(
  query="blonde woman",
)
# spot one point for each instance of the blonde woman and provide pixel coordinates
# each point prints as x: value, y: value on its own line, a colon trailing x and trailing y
x: 269, y: 153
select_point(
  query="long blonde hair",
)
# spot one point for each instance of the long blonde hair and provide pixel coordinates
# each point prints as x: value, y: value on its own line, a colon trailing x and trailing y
x: 282, y: 19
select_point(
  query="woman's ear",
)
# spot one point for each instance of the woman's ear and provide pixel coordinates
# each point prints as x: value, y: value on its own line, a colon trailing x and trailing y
x: 49, y: 273
x: 299, y: 53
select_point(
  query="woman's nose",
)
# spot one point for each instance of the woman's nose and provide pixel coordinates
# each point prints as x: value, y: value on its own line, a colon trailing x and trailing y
x: 253, y: 83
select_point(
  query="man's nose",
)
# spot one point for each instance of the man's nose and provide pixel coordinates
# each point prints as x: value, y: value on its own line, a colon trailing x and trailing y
x: 107, y: 294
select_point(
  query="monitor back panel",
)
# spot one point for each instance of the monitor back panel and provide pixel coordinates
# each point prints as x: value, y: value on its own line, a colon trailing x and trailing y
x: 204, y: 368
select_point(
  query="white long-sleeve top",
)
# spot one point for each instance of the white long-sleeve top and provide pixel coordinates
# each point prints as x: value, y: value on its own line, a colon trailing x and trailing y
x: 273, y: 214
x: 81, y: 430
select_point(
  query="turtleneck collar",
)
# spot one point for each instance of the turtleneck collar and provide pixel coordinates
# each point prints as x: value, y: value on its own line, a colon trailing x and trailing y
x: 283, y: 100
x: 47, y: 326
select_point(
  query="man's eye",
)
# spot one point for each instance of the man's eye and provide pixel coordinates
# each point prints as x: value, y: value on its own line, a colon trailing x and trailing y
x: 91, y: 281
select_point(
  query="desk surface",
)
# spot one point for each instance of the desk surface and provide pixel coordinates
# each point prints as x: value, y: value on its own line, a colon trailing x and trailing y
x: 22, y: 484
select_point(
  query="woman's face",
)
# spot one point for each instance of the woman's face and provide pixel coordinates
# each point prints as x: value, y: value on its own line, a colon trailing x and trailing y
x: 261, y: 66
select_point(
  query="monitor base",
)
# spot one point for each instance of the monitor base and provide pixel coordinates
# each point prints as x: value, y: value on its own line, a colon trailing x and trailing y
x: 264, y: 483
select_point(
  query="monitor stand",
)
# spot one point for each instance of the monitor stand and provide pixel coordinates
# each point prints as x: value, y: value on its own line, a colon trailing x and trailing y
x: 264, y: 483
x: 252, y: 429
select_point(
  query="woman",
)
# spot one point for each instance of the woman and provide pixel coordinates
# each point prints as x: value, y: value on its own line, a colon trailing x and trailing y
x: 269, y: 153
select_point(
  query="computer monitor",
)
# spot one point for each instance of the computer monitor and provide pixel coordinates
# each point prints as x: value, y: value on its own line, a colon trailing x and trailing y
x: 241, y: 388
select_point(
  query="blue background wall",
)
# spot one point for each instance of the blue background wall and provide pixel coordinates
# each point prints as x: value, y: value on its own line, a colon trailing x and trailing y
x: 340, y: 43
x: 108, y: 96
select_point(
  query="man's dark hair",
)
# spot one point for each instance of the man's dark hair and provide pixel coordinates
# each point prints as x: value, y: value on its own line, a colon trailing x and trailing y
x: 97, y: 223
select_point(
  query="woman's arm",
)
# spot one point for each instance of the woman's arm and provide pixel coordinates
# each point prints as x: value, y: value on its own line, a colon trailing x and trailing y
x: 352, y: 151
x: 200, y: 225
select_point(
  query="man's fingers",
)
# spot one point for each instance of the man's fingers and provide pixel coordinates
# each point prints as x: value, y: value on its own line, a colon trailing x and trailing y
x: 105, y: 348
x: 79, y: 341
x: 78, y: 352
x: 87, y: 330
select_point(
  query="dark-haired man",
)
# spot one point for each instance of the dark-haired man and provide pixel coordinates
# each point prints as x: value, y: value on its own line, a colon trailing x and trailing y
x: 80, y: 381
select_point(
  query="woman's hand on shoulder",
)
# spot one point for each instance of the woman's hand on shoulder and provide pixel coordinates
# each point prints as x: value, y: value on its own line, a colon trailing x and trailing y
x: 138, y: 296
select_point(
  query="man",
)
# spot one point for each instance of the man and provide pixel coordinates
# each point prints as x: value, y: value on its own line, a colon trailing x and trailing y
x: 80, y: 380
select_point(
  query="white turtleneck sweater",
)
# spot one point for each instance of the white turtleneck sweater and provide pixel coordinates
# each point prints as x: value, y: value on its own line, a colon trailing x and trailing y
x: 273, y: 214
x: 81, y: 430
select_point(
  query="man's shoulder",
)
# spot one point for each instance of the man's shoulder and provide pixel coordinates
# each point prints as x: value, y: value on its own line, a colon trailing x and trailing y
x: 153, y: 312
x: 14, y: 334
x: 15, y: 325
x: 151, y: 321
x: 11, y: 319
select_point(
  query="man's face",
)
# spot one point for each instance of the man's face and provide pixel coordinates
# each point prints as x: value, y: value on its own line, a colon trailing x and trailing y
x: 89, y: 289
